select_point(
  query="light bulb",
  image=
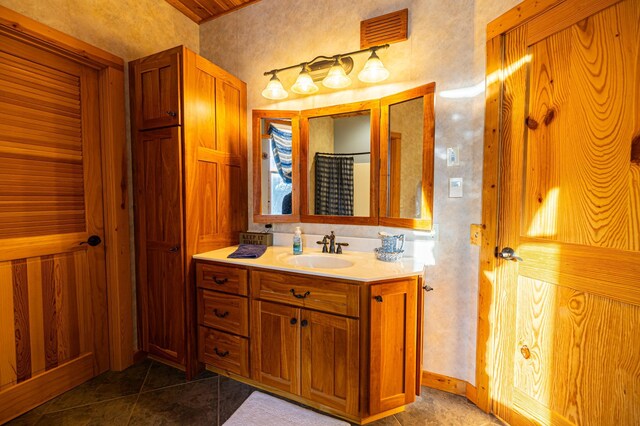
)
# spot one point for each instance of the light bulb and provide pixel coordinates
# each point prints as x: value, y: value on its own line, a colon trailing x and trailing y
x: 274, y: 89
x: 373, y: 71
x: 304, y: 84
x: 336, y: 78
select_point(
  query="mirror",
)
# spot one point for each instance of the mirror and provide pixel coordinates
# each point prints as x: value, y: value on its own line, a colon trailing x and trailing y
x: 406, y: 154
x: 275, y: 166
x: 340, y: 146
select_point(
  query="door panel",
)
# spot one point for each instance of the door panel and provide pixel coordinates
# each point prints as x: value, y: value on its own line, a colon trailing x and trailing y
x: 159, y: 242
x: 275, y: 345
x: 393, y: 341
x: 53, y: 310
x: 157, y: 89
x: 569, y: 206
x: 330, y: 360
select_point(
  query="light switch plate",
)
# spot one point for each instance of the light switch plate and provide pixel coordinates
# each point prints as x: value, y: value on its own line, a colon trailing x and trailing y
x: 453, y: 156
x: 455, y: 187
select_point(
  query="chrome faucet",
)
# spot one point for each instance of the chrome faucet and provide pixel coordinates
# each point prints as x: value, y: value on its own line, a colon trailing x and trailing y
x: 331, y: 240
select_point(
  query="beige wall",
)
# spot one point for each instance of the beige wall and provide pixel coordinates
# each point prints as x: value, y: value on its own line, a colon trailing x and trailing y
x: 127, y: 28
x: 446, y: 45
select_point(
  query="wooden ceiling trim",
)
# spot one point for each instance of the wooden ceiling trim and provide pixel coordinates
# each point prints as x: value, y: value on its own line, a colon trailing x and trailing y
x: 201, y: 11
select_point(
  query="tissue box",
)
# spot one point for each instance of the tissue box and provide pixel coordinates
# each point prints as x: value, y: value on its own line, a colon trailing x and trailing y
x: 257, y: 238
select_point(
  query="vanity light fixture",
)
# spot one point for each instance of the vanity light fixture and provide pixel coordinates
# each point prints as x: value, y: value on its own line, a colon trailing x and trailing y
x: 332, y: 70
x: 274, y: 89
x: 304, y: 84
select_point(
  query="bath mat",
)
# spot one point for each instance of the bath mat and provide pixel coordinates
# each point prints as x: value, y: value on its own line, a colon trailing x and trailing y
x: 265, y: 410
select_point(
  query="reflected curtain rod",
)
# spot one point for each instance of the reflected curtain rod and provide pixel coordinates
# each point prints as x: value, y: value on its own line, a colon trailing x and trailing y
x: 343, y: 154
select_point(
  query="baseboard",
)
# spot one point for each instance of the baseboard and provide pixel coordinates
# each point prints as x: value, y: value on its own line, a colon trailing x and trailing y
x: 450, y: 384
x: 139, y: 356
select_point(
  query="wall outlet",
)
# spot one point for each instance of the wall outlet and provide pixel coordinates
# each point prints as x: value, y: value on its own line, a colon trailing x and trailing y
x: 455, y: 187
x: 453, y: 156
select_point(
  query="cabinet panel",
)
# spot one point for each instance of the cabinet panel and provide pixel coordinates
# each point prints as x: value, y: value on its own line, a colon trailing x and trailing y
x: 224, y: 350
x: 392, y: 371
x: 228, y: 101
x: 275, y: 345
x: 222, y: 278
x: 329, y: 296
x: 330, y: 360
x: 157, y: 91
x: 223, y: 311
x: 158, y: 217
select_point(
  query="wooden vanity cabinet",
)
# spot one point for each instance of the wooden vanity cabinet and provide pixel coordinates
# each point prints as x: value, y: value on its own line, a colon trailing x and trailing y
x: 346, y: 347
x: 190, y: 193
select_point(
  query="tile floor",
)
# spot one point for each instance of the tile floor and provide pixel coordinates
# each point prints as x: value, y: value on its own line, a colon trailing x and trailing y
x: 150, y: 393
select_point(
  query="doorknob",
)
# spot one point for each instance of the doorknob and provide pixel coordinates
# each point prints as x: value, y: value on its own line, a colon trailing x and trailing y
x: 93, y: 241
x: 508, y: 253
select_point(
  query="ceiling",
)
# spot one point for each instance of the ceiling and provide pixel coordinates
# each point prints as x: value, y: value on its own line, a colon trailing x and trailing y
x: 205, y: 10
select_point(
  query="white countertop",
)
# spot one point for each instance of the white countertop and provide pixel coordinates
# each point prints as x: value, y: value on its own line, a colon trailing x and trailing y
x: 365, y: 265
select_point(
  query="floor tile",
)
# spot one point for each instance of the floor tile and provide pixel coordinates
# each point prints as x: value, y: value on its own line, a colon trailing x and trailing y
x: 232, y: 395
x: 161, y: 376
x: 109, y: 385
x: 30, y: 417
x: 435, y: 407
x: 112, y: 412
x: 194, y: 403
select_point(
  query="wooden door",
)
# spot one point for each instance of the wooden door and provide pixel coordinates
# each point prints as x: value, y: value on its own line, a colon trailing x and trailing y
x: 568, y: 316
x: 157, y: 90
x: 330, y: 360
x: 158, y: 215
x: 53, y: 307
x: 392, y: 374
x: 275, y: 345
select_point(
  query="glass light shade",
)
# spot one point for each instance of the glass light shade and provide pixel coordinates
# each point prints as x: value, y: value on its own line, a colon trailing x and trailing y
x: 304, y: 84
x: 373, y: 71
x: 274, y: 89
x: 336, y: 78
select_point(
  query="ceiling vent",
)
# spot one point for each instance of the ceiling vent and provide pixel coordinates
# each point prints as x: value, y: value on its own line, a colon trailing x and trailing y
x: 389, y: 28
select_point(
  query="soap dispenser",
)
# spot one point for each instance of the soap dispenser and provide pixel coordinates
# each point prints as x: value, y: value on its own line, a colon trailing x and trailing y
x: 297, y: 241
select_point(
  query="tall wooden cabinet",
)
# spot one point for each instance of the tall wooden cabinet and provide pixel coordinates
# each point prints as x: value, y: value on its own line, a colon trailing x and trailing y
x: 190, y: 188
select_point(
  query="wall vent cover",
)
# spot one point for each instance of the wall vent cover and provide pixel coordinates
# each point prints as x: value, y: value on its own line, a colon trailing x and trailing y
x: 389, y: 28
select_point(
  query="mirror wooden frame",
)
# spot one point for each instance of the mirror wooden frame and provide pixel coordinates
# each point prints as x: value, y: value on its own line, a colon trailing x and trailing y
x: 374, y: 108
x: 258, y: 116
x: 427, y: 92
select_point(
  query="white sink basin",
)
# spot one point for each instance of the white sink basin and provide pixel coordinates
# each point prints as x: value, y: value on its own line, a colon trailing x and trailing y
x: 319, y: 261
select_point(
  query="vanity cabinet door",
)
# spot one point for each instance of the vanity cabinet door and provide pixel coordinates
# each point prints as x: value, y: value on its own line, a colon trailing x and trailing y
x: 275, y: 345
x: 157, y: 90
x: 392, y: 373
x: 330, y: 360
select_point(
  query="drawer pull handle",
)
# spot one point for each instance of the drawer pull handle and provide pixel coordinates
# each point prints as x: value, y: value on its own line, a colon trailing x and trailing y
x: 378, y: 298
x: 220, y: 315
x: 293, y: 321
x: 220, y: 281
x: 220, y: 354
x: 304, y: 323
x: 299, y: 296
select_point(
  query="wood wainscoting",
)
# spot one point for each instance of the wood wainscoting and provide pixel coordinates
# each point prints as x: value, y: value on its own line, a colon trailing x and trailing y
x: 449, y: 384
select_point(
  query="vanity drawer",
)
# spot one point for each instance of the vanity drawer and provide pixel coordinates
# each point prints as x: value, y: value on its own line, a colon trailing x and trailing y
x: 310, y: 292
x: 224, y: 351
x: 221, y: 278
x: 223, y: 311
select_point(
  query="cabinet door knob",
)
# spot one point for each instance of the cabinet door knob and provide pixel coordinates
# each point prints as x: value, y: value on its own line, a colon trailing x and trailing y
x: 219, y: 353
x: 378, y: 299
x: 526, y: 353
x: 299, y: 296
x: 304, y: 323
x: 220, y: 315
x: 293, y: 321
x: 171, y: 113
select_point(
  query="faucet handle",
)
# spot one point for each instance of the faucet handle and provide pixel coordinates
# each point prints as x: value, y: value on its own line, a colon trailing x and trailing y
x: 339, y: 249
x: 324, y: 244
